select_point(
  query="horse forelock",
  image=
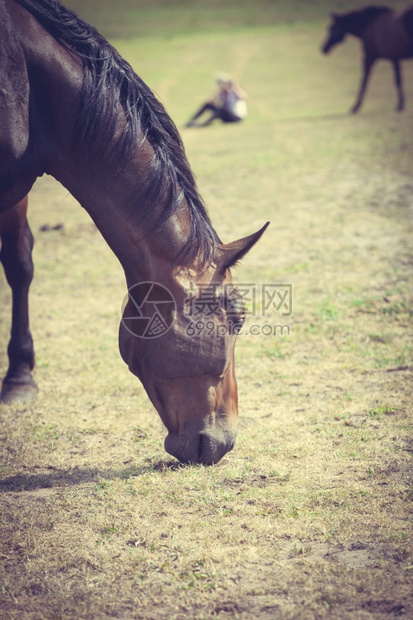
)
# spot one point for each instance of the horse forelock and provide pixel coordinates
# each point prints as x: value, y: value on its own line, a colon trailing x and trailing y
x: 111, y: 88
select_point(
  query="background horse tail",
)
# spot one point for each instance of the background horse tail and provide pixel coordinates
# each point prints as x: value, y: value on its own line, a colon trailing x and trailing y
x: 110, y: 83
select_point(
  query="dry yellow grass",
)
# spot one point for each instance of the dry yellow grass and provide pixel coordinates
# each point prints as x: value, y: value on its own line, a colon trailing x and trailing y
x: 310, y: 515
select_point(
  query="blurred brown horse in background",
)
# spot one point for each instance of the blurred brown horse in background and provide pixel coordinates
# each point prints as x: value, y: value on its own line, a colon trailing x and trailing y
x: 71, y: 107
x: 384, y: 33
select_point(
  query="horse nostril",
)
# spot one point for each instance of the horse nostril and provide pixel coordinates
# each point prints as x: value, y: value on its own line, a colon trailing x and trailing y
x: 203, y: 447
x: 209, y: 451
x: 200, y: 442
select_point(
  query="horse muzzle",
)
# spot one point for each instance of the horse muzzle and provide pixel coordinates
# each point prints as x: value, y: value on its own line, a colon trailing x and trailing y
x: 206, y: 446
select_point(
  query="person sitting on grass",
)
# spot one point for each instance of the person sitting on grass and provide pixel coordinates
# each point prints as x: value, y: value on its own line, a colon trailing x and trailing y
x: 229, y: 104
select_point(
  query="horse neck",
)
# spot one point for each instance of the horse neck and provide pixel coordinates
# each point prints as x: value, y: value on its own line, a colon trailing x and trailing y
x: 112, y: 197
x: 114, y: 201
x: 357, y: 21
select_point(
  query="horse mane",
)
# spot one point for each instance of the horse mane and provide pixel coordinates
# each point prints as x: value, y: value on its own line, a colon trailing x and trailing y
x: 362, y: 18
x: 110, y: 87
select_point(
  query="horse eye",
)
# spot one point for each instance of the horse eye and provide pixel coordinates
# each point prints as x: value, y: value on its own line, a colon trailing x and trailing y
x: 236, y: 314
x: 241, y: 319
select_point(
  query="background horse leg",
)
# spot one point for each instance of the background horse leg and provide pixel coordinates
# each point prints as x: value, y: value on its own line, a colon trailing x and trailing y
x: 399, y: 85
x: 16, y: 256
x: 368, y: 63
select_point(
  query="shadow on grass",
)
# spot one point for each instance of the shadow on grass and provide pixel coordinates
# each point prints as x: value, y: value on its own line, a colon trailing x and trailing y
x: 315, y: 117
x: 70, y: 477
x: 332, y: 117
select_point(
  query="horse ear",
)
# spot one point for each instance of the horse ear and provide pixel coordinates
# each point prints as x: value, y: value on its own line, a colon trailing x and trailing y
x: 231, y: 253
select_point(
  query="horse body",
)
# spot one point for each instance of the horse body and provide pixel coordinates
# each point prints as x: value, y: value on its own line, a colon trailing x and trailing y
x: 73, y: 108
x: 384, y: 34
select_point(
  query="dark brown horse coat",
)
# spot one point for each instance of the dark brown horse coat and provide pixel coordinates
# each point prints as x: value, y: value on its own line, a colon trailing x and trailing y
x: 71, y: 107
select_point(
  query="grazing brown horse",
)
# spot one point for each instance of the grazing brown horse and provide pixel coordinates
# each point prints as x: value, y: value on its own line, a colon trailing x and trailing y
x: 384, y: 33
x: 71, y: 107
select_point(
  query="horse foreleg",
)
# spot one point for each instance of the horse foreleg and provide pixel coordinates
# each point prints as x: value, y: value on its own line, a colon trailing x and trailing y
x: 367, y: 65
x: 16, y: 256
x: 399, y: 85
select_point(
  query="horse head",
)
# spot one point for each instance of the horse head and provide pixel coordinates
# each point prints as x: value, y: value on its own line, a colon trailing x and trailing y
x: 336, y: 33
x: 187, y: 368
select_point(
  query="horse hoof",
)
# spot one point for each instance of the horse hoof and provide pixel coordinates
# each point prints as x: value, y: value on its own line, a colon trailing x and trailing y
x: 18, y: 393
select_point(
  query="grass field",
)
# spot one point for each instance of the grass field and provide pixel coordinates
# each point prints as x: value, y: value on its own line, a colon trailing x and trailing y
x: 310, y: 515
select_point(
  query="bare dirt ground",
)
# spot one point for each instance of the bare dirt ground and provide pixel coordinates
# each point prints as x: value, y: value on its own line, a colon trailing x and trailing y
x: 310, y: 515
